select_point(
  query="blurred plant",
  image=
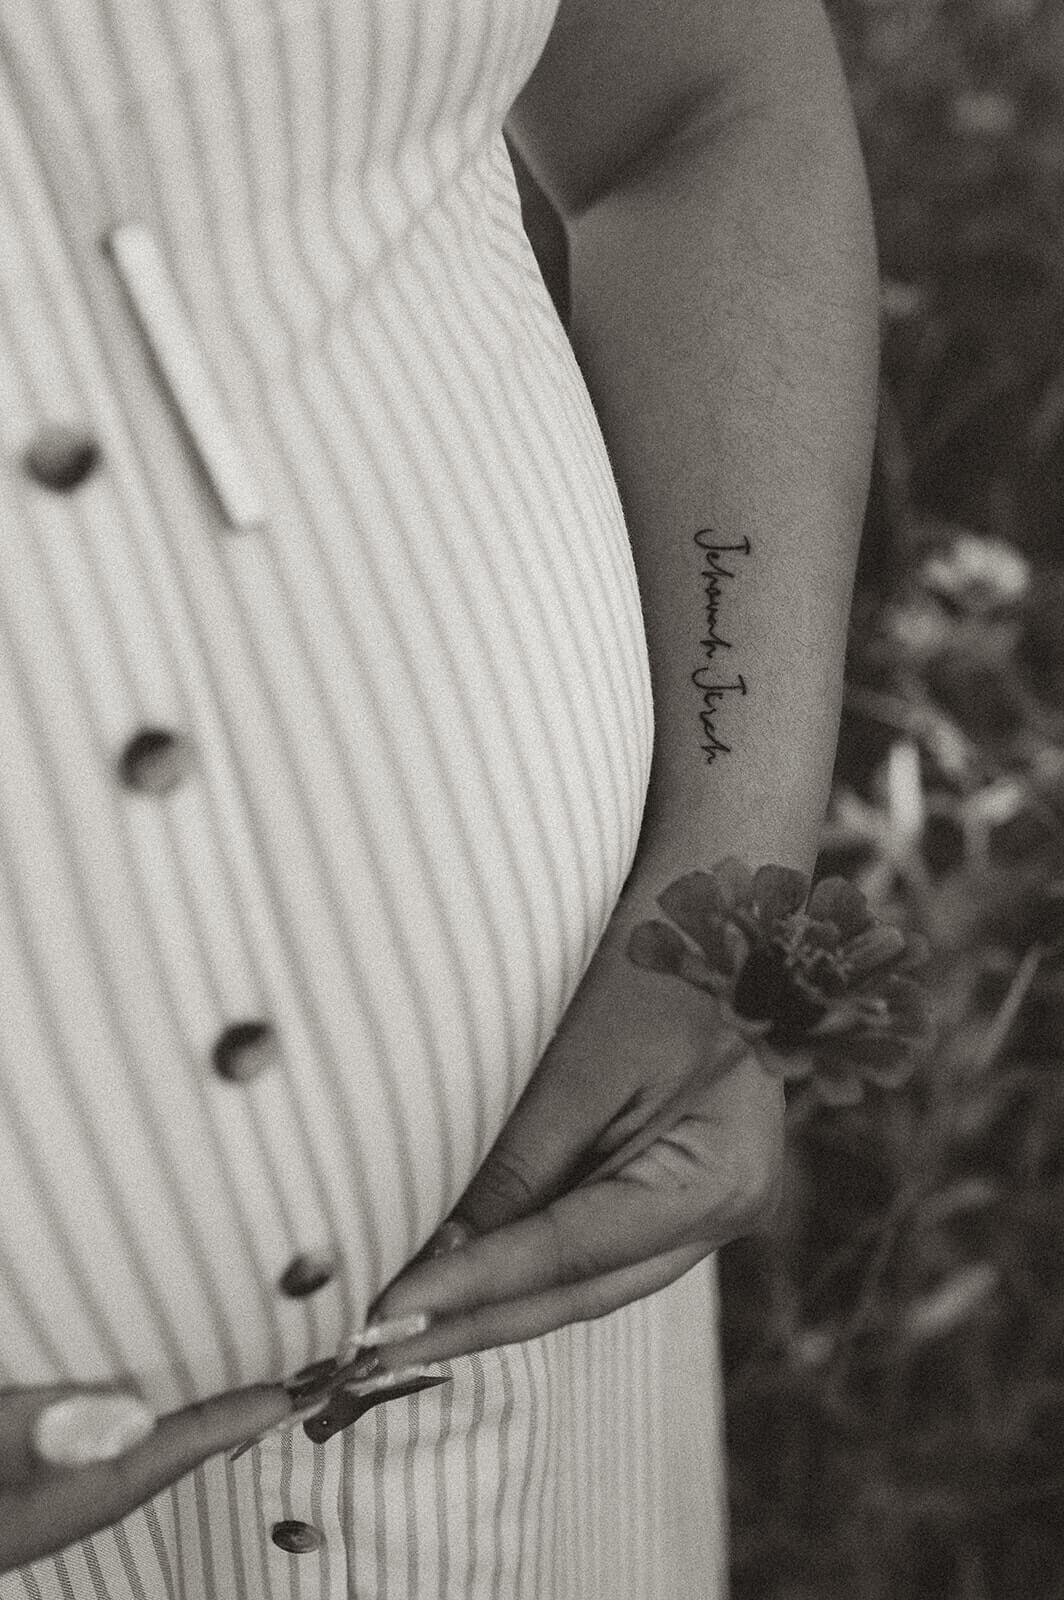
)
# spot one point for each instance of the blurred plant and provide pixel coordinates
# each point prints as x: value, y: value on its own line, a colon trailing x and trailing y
x: 976, y: 576
x: 1040, y: 646
x: 894, y: 1348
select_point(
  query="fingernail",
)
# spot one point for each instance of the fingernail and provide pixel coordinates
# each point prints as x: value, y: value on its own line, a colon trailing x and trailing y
x: 391, y: 1331
x: 91, y: 1427
x: 388, y: 1380
x: 452, y: 1236
x: 293, y: 1419
x: 364, y: 1364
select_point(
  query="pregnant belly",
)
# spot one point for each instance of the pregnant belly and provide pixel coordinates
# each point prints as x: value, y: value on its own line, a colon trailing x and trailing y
x: 307, y: 838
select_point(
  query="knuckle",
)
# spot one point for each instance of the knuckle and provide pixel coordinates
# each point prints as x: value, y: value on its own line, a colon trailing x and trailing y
x: 505, y: 1188
x: 571, y: 1261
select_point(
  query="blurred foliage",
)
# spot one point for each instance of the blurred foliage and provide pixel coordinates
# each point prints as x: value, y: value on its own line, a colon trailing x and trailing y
x: 894, y: 1348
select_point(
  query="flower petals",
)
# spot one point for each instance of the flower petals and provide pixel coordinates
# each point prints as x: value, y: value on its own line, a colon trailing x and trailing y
x: 874, y: 948
x: 658, y: 947
x: 821, y: 935
x: 694, y: 902
x: 735, y: 881
x: 777, y: 891
x: 748, y: 1028
x: 725, y: 947
x: 836, y: 900
x: 817, y: 987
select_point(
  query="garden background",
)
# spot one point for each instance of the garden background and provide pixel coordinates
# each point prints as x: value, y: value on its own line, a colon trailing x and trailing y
x: 894, y: 1348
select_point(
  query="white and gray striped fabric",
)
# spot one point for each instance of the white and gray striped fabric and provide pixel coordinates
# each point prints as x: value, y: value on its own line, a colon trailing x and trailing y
x: 353, y: 541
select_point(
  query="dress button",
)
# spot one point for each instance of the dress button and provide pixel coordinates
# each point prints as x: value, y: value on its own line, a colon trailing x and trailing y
x: 156, y: 760
x: 61, y: 457
x: 298, y: 1538
x: 305, y: 1274
x: 245, y: 1050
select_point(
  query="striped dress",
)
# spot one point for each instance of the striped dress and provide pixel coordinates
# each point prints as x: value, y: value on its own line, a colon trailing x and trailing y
x: 325, y: 729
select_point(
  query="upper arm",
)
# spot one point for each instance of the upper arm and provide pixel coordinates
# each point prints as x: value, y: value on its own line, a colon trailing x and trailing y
x: 618, y: 79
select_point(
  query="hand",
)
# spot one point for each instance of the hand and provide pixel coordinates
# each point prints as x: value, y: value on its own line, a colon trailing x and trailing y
x: 647, y: 1137
x: 48, y: 1504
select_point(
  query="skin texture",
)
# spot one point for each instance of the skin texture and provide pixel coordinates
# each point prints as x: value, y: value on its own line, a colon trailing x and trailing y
x: 724, y: 312
x: 723, y: 293
x: 551, y: 1251
x: 44, y: 1508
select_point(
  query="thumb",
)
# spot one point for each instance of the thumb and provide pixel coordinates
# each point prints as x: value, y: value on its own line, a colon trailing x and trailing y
x: 183, y: 1439
x: 75, y: 1460
x: 63, y: 1425
x: 612, y: 1065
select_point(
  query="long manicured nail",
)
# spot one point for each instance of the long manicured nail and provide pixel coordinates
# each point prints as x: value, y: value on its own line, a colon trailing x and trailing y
x: 293, y: 1419
x: 91, y: 1427
x: 387, y: 1380
x: 358, y: 1388
x: 394, y: 1330
x: 391, y: 1331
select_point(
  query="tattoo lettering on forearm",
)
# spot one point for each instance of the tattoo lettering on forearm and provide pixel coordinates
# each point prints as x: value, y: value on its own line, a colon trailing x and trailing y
x: 714, y: 689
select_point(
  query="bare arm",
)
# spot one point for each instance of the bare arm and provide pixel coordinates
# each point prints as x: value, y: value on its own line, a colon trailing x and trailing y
x: 723, y: 290
x: 724, y: 311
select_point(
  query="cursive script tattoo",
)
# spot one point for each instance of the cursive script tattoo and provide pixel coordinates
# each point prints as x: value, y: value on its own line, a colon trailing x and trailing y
x: 715, y: 690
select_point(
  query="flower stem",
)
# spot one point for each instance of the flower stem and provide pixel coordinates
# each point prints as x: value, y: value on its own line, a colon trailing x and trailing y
x: 1000, y: 1027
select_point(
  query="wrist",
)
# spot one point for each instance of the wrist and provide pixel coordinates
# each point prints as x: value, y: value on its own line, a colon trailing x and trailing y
x: 677, y: 840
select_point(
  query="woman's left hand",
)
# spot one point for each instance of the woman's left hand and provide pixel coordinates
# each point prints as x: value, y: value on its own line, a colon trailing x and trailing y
x: 647, y: 1137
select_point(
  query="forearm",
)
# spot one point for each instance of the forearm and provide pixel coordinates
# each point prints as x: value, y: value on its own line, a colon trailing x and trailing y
x: 724, y: 312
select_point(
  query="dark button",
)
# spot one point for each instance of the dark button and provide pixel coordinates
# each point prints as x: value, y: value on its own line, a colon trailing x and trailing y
x: 61, y: 457
x: 156, y: 760
x: 245, y: 1050
x: 307, y: 1273
x: 298, y: 1538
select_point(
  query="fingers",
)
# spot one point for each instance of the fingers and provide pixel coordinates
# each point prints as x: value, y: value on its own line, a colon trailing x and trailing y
x: 710, y: 1179
x: 513, y: 1322
x: 592, y: 1231
x: 567, y: 1122
x: 532, y: 1276
x: 46, y: 1504
x: 183, y: 1439
x: 59, y: 1425
x: 594, y: 1076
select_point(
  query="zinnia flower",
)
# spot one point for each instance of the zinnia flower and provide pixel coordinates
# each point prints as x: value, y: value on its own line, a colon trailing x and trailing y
x: 814, y: 982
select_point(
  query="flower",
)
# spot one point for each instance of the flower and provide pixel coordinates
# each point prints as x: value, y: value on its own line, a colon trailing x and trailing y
x: 815, y: 983
x: 975, y: 574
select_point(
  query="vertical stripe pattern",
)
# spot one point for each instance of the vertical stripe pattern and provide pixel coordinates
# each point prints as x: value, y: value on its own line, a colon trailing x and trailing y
x: 353, y: 539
